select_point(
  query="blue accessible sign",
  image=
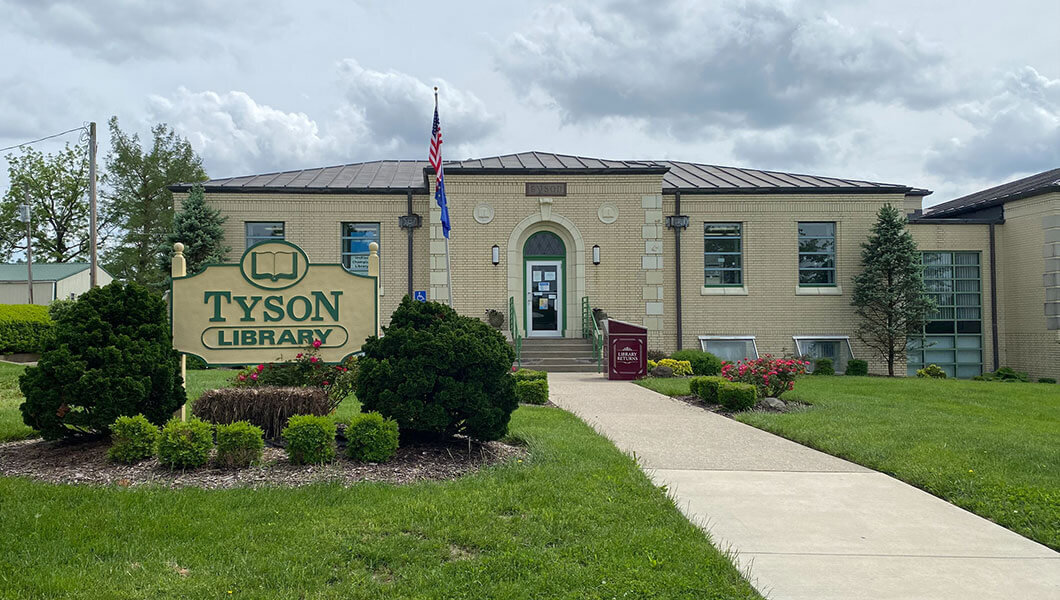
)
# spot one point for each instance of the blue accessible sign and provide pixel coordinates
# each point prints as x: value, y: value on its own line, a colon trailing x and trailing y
x: 419, y: 295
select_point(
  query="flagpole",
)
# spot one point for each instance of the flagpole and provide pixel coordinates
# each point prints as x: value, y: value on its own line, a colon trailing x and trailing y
x: 448, y: 264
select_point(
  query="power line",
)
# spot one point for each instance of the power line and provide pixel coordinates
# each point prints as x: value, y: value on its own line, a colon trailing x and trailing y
x: 82, y: 128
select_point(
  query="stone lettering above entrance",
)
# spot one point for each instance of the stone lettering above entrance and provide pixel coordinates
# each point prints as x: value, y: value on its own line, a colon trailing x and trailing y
x: 270, y: 306
x: 546, y: 189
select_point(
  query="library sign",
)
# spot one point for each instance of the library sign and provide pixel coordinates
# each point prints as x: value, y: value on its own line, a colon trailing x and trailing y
x: 272, y: 305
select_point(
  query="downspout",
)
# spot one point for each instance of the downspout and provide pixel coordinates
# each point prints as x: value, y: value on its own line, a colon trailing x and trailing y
x: 677, y: 272
x: 408, y: 211
x: 409, y: 222
x: 677, y: 222
x: 993, y: 300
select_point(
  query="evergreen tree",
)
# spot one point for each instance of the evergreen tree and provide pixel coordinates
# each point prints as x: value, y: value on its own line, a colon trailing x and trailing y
x: 889, y: 291
x: 138, y: 181
x: 199, y: 227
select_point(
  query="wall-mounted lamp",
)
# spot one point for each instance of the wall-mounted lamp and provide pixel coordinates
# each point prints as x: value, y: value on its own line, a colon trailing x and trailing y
x: 496, y: 254
x: 596, y: 255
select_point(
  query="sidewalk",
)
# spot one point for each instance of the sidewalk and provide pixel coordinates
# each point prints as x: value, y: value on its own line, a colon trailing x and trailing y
x: 804, y: 524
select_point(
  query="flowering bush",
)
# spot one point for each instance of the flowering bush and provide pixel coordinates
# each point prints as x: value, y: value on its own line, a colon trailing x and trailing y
x: 772, y: 376
x: 306, y: 370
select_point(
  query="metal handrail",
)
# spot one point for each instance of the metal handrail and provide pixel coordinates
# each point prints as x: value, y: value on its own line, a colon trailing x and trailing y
x: 591, y: 331
x: 513, y: 327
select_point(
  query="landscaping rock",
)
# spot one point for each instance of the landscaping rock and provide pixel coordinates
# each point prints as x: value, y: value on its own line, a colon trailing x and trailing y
x: 662, y: 371
x: 771, y: 404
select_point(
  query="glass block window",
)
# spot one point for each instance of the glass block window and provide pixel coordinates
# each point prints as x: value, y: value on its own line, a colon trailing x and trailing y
x: 722, y: 254
x: 953, y: 334
x: 355, y: 240
x: 817, y: 254
x: 260, y: 231
x: 729, y: 347
x: 836, y: 348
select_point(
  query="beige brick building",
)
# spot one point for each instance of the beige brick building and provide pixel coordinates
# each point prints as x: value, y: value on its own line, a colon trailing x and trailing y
x: 737, y: 261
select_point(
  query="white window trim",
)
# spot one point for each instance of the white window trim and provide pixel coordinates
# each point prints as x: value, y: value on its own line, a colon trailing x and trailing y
x: 843, y: 338
x: 704, y: 338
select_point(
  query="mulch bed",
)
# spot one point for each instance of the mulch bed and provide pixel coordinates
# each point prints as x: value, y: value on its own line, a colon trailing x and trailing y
x: 87, y: 463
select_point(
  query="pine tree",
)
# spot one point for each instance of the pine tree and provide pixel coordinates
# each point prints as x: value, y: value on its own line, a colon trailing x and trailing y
x: 889, y: 292
x: 199, y: 227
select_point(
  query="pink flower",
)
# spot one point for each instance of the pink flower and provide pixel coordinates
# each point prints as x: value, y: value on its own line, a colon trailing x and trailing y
x: 299, y: 355
x: 254, y: 376
x: 325, y: 382
x: 316, y: 343
x: 242, y: 377
x: 261, y: 368
x: 312, y: 359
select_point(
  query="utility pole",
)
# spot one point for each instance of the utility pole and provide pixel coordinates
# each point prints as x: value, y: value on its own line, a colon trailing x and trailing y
x: 24, y: 212
x: 92, y: 204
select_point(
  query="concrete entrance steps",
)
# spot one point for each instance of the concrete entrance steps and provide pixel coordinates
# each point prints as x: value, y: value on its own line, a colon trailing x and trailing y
x: 559, y: 355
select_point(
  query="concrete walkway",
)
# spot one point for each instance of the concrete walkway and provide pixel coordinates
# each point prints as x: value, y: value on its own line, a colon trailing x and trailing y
x: 806, y: 525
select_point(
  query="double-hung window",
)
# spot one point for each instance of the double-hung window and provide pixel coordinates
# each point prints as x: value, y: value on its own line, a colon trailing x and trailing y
x: 722, y: 254
x: 817, y: 254
x: 355, y: 240
x: 263, y: 231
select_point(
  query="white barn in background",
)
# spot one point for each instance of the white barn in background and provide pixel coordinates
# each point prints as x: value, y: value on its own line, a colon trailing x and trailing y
x: 50, y: 282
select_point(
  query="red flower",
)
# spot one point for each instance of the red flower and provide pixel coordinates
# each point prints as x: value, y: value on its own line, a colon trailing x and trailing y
x: 312, y: 359
x: 261, y: 368
x: 325, y: 382
x: 299, y: 355
x: 242, y: 377
x: 316, y: 343
x: 254, y: 376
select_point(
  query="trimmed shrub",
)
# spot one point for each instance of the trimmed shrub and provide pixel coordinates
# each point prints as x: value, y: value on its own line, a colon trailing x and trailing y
x: 438, y: 372
x: 532, y: 391
x: 310, y: 439
x: 680, y: 368
x: 856, y: 366
x: 24, y: 328
x: 111, y: 355
x: 267, y: 407
x: 239, y: 444
x: 823, y: 366
x: 656, y: 355
x: 1046, y: 380
x: 931, y: 372
x: 132, y: 439
x: 185, y: 444
x: 371, y: 438
x: 529, y: 375
x: 703, y: 363
x: 58, y: 308
x: 1005, y: 374
x: 737, y: 396
x: 706, y: 388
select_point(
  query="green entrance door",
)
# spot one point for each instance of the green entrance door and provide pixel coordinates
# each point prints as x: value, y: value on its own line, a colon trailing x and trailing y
x: 545, y: 257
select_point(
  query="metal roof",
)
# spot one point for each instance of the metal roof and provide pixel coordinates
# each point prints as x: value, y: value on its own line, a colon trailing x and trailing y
x: 41, y: 271
x: 1046, y: 181
x: 402, y: 176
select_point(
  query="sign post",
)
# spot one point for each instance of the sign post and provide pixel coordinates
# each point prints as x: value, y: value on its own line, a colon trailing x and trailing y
x: 272, y: 305
x: 179, y: 268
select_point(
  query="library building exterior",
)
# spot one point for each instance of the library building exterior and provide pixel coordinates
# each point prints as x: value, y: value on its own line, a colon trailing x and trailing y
x: 739, y: 262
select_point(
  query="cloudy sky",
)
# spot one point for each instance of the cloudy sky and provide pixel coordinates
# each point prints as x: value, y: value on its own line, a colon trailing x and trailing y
x: 952, y: 96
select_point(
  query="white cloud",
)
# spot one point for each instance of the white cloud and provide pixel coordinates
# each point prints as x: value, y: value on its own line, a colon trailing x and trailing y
x: 688, y: 66
x: 1015, y: 131
x: 382, y: 115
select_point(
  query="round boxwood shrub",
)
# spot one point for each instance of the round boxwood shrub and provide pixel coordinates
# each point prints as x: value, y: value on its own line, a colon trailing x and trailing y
x: 371, y: 438
x: 931, y: 372
x: 706, y: 388
x: 310, y: 439
x: 111, y: 356
x: 856, y: 366
x: 239, y: 444
x: 823, y: 366
x: 703, y: 363
x: 133, y: 439
x: 438, y: 372
x: 532, y: 391
x: 185, y: 444
x: 737, y: 396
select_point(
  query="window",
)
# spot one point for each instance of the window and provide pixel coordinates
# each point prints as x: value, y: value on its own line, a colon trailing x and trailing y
x: 817, y: 254
x: 835, y: 347
x: 953, y: 337
x: 730, y: 347
x: 722, y: 254
x: 258, y: 232
x: 355, y: 240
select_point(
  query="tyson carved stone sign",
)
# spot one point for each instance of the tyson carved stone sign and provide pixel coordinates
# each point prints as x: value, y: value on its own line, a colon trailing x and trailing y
x: 271, y: 305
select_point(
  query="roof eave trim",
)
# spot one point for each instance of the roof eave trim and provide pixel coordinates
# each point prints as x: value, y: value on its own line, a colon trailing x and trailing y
x: 998, y: 201
x: 957, y: 221
x: 301, y: 190
x: 787, y: 190
x: 552, y: 171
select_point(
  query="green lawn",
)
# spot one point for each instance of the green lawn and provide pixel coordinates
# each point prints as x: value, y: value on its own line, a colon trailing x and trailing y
x: 577, y: 519
x: 992, y: 448
x: 11, y: 426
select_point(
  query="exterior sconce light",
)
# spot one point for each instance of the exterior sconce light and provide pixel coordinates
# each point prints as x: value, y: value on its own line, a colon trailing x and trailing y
x: 596, y: 255
x: 496, y: 253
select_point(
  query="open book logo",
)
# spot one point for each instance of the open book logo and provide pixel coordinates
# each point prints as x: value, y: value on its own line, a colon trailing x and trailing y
x: 274, y: 265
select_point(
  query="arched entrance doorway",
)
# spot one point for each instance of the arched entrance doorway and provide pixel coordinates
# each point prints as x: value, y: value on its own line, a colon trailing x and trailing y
x: 544, y: 259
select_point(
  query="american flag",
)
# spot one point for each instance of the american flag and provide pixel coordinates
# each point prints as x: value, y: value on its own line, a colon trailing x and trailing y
x: 435, y: 159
